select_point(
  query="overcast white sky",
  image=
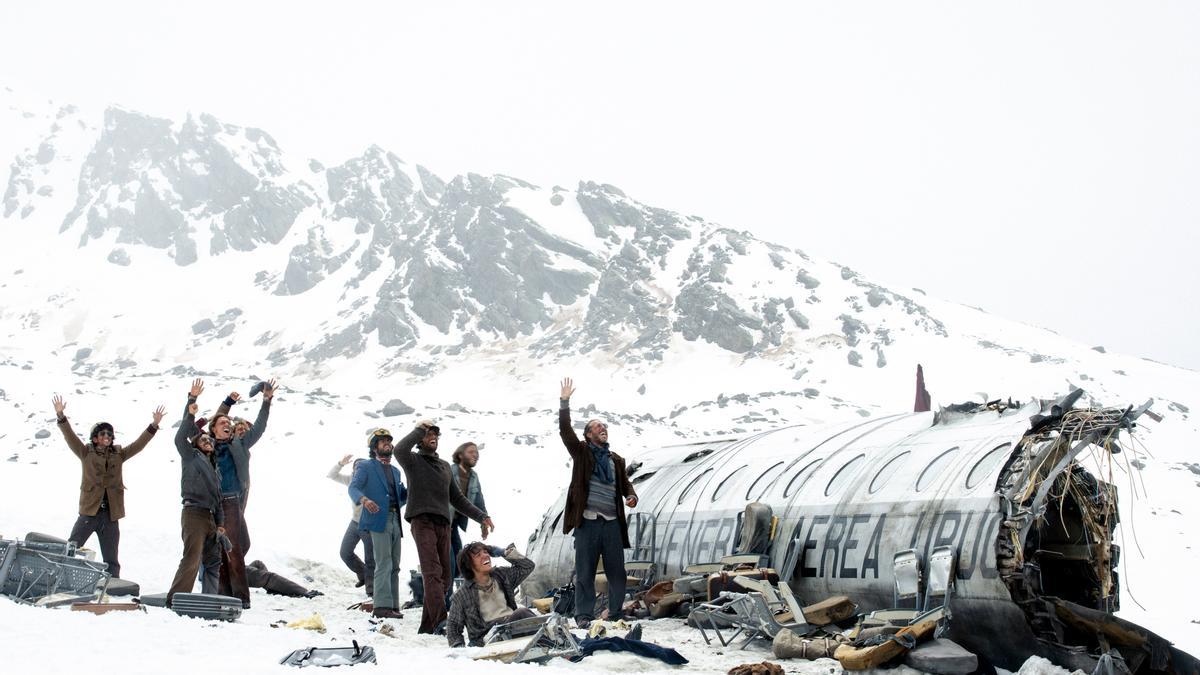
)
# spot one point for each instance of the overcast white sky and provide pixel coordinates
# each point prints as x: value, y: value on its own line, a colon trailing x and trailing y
x: 1040, y: 160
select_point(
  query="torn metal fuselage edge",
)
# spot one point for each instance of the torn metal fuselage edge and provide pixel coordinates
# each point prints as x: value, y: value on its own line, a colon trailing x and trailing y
x: 1031, y: 528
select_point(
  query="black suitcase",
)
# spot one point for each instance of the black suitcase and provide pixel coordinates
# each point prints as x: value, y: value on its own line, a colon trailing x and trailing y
x: 206, y: 606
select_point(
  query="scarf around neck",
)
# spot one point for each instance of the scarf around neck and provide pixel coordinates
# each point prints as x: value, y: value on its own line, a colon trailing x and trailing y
x: 604, y: 466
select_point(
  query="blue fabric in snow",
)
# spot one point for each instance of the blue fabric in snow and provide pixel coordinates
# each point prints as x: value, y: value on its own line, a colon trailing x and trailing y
x: 615, y: 644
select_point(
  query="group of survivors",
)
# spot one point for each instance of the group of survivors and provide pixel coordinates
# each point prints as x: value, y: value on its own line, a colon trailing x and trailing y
x: 437, y: 498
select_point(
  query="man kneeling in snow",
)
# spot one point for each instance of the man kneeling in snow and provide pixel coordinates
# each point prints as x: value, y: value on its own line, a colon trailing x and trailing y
x: 487, y: 598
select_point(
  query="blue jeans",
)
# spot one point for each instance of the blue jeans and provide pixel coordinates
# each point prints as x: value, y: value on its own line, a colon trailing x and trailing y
x: 596, y: 538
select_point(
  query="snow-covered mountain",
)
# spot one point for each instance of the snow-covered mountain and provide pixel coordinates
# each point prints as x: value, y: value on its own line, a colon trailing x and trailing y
x: 141, y: 252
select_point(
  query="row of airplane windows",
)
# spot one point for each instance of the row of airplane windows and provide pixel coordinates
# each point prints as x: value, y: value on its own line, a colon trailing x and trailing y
x: 982, y: 468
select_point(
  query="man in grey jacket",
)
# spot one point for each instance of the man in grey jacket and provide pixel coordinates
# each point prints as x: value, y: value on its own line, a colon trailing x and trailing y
x: 202, y: 519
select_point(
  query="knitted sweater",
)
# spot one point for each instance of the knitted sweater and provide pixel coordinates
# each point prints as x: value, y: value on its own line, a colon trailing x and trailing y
x: 430, y: 488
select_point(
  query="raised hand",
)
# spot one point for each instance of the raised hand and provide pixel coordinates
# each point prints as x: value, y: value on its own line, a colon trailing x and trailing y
x: 197, y: 388
x: 568, y: 388
x: 59, y: 405
x: 269, y: 390
x: 425, y: 423
x: 158, y: 414
x: 234, y: 396
x: 346, y: 460
x: 193, y: 409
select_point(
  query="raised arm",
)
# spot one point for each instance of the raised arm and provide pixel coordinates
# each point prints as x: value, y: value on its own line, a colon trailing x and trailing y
x: 187, y: 425
x: 140, y: 444
x: 227, y: 404
x: 335, y: 474
x: 260, y: 423
x: 403, y: 450
x: 521, y: 568
x: 77, y: 447
x: 565, y: 430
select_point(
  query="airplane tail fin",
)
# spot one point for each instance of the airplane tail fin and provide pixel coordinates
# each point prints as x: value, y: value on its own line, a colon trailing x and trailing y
x: 923, y: 401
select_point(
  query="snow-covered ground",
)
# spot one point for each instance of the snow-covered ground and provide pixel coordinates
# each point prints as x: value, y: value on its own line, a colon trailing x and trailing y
x: 117, y: 340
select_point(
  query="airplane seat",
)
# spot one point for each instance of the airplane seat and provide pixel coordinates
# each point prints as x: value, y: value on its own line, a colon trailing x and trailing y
x: 940, y: 575
x: 756, y: 529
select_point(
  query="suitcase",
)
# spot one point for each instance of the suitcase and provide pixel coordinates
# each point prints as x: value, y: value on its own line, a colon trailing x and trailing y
x: 122, y: 587
x: 723, y: 581
x: 153, y: 599
x: 830, y: 610
x: 207, y: 606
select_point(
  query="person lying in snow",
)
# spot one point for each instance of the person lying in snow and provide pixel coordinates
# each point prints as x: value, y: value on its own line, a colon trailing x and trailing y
x: 258, y: 576
x: 487, y: 597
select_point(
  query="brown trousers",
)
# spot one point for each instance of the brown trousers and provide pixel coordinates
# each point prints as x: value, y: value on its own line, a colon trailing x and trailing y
x: 233, y: 567
x: 199, y: 529
x: 432, y: 537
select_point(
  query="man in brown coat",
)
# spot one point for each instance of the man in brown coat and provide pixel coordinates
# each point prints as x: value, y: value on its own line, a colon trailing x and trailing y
x: 596, y: 501
x: 102, y: 489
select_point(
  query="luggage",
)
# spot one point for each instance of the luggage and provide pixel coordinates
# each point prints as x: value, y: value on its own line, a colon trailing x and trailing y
x: 564, y: 600
x: 830, y: 610
x: 695, y: 584
x: 207, y: 606
x: 788, y: 645
x: 105, y: 608
x: 667, y: 605
x: 942, y: 657
x: 863, y: 658
x: 153, y: 599
x: 122, y: 587
x: 327, y: 656
x: 723, y: 581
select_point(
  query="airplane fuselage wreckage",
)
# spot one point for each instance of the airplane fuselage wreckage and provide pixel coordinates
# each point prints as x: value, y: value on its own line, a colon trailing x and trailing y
x: 1001, y: 485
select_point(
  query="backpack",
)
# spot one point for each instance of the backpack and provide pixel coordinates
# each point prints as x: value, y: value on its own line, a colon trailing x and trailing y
x: 564, y: 600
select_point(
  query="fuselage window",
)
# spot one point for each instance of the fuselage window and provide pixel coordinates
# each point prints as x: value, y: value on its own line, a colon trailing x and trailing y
x: 796, y: 481
x: 726, y: 483
x: 764, y: 479
x: 697, y: 455
x: 935, y: 468
x: 683, y: 495
x: 643, y: 476
x: 885, y: 474
x: 844, y: 474
x: 984, y: 467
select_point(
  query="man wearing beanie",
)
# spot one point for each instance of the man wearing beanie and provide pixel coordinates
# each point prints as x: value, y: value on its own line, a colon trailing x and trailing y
x: 102, y: 488
x: 432, y: 500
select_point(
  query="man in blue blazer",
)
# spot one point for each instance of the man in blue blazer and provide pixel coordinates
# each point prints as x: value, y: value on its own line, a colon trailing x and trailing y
x: 377, y: 486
